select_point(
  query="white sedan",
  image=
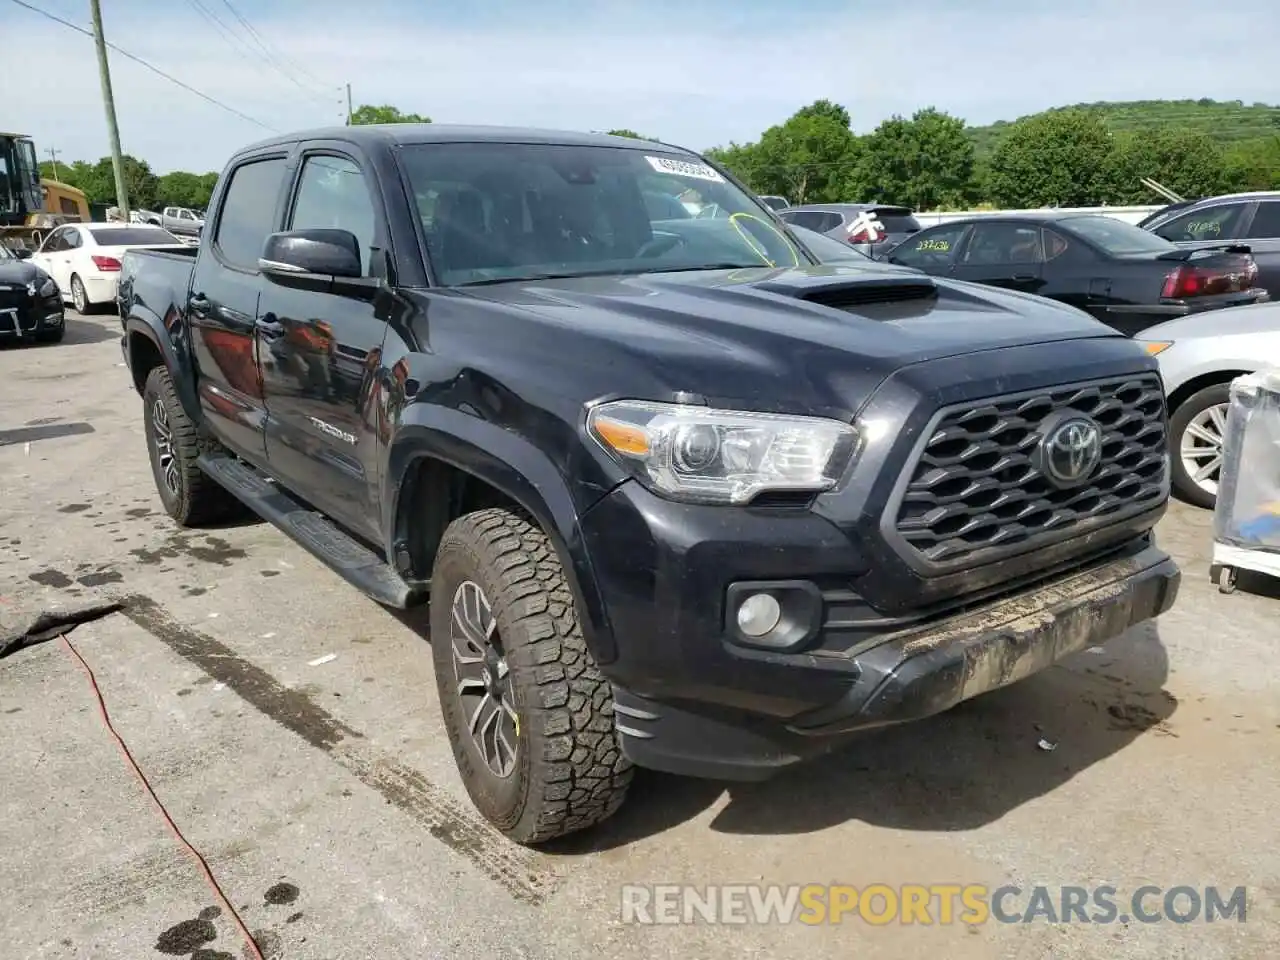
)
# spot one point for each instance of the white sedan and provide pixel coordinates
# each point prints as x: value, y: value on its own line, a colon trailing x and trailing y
x: 84, y: 258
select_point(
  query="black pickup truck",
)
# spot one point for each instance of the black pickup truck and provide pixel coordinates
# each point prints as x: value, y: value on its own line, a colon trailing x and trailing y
x: 677, y: 494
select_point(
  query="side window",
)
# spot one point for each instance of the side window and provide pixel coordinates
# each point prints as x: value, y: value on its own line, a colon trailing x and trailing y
x: 1058, y: 247
x: 1004, y: 243
x: 332, y: 193
x: 802, y: 218
x: 1207, y: 223
x: 72, y: 240
x: 248, y: 211
x: 54, y: 242
x: 828, y: 221
x: 930, y: 247
x: 1266, y: 222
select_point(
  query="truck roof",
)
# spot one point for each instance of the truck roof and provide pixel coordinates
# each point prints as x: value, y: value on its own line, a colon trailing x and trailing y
x: 394, y: 134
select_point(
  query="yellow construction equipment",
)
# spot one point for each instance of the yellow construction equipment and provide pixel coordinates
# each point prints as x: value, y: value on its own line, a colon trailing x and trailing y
x: 30, y: 206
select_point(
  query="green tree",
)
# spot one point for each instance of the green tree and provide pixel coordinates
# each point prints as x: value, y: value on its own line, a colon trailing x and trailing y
x: 368, y: 113
x: 1059, y: 158
x: 925, y: 163
x: 183, y: 189
x: 1186, y: 162
x: 624, y: 132
x: 808, y: 158
x: 738, y: 158
x: 1254, y: 164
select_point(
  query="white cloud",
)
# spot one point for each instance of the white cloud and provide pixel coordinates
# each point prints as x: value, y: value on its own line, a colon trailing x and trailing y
x: 695, y: 78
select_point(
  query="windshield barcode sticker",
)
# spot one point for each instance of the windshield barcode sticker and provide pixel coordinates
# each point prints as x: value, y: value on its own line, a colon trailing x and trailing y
x: 685, y: 168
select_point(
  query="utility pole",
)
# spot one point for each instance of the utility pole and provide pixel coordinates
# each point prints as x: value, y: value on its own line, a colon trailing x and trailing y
x: 348, y: 104
x: 53, y: 155
x: 109, y: 102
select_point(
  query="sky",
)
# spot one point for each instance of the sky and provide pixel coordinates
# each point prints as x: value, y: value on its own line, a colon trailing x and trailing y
x: 698, y: 74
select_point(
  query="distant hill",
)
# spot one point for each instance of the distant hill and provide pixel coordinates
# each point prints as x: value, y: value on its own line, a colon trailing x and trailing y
x: 1227, y: 121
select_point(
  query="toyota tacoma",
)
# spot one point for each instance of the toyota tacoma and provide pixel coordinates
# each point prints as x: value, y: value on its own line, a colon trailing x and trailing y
x: 676, y: 494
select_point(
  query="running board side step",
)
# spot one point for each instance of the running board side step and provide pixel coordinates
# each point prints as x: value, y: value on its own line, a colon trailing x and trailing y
x: 338, y: 550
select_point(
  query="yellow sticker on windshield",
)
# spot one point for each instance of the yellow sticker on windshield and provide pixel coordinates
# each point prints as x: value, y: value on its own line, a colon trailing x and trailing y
x: 939, y: 246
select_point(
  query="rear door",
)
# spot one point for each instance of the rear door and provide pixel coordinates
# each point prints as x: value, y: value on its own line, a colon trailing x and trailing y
x: 1002, y: 253
x: 223, y: 307
x: 1263, y: 237
x: 53, y: 257
x: 317, y: 348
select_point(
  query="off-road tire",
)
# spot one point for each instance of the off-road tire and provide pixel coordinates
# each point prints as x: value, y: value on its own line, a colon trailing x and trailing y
x: 199, y: 500
x: 1183, y: 485
x: 569, y: 772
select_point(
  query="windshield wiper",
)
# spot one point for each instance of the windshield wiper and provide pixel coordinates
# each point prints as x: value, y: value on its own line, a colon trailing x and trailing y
x: 706, y: 266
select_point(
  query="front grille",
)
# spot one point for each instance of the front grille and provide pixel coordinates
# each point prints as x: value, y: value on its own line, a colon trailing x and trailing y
x: 976, y: 494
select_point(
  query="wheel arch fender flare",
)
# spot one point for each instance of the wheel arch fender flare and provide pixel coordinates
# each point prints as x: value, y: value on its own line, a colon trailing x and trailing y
x: 516, y: 468
x: 143, y: 324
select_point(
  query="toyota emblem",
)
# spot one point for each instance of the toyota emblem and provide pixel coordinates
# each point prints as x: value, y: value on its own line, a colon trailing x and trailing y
x: 1071, y: 450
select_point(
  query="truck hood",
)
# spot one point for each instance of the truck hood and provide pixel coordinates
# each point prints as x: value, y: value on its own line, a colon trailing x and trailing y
x: 885, y: 316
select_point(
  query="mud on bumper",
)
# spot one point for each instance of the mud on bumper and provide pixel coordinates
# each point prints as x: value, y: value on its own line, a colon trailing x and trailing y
x: 907, y: 675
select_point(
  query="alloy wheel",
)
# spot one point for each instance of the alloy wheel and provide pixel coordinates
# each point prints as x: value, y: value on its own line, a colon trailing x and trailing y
x: 483, y: 679
x: 1201, y: 447
x: 78, y: 296
x: 162, y: 438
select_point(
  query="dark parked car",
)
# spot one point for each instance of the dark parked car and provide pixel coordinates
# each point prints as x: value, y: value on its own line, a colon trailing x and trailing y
x: 1127, y: 277
x: 30, y: 302
x: 847, y: 222
x: 678, y: 496
x: 1252, y: 219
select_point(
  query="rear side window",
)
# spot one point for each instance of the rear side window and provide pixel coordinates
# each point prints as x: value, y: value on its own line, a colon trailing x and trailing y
x: 1000, y: 243
x: 248, y: 213
x: 1266, y: 222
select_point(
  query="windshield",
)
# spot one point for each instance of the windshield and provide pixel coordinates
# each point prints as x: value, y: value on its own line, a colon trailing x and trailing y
x: 6, y: 253
x: 131, y: 236
x: 504, y: 211
x: 1117, y: 237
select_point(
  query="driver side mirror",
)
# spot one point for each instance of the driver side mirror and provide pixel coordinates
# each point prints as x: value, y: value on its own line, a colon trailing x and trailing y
x: 23, y: 253
x: 320, y: 259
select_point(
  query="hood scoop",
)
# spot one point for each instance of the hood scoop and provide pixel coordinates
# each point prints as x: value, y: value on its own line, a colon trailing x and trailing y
x: 842, y: 293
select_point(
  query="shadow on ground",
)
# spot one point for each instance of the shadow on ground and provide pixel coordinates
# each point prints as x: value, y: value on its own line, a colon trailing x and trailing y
x: 956, y: 771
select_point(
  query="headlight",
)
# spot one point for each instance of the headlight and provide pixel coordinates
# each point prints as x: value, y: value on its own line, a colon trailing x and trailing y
x: 48, y: 288
x: 696, y: 454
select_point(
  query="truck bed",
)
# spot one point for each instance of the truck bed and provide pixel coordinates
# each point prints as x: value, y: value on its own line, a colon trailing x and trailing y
x: 155, y: 281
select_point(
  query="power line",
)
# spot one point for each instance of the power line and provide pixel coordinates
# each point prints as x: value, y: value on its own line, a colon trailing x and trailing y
x: 154, y: 69
x: 262, y: 42
x: 248, y: 54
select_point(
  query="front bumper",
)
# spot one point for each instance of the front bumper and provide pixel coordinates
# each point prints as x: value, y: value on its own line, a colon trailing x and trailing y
x: 691, y: 700
x: 30, y: 318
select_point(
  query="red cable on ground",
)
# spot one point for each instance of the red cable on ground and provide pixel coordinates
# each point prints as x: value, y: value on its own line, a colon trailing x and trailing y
x: 142, y: 778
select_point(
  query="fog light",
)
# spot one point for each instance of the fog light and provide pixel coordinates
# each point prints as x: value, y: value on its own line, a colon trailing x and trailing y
x: 758, y: 614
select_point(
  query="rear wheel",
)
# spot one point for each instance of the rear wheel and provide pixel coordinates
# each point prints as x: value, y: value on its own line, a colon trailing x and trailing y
x: 79, y: 297
x: 1196, y: 431
x: 174, y: 443
x: 528, y: 714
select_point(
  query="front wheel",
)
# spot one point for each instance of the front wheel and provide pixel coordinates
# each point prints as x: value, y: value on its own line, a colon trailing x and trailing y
x: 528, y: 714
x: 1196, y: 431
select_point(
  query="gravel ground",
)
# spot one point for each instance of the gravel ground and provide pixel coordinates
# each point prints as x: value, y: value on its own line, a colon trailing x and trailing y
x: 324, y: 800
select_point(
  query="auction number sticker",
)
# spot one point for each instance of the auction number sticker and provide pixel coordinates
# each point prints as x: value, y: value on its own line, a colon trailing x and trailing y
x: 685, y: 168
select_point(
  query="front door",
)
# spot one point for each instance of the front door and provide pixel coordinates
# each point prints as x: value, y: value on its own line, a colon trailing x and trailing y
x: 224, y: 305
x: 1003, y: 254
x: 316, y: 349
